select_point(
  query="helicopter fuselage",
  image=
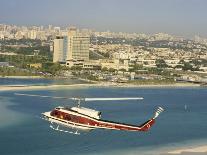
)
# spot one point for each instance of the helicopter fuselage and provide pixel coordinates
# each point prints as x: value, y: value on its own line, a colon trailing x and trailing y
x: 88, y: 119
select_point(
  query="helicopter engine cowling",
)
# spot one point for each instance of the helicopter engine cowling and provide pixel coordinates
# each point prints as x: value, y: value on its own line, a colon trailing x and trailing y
x: 88, y: 112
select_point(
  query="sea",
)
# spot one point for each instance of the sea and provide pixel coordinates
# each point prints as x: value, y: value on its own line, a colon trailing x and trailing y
x: 182, y: 124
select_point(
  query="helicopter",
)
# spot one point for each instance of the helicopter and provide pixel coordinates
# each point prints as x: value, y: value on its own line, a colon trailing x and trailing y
x: 80, y: 118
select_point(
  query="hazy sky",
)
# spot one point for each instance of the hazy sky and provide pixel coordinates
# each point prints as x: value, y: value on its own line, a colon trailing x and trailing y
x: 179, y: 17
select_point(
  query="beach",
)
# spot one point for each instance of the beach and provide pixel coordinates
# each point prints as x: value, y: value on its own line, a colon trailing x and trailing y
x: 23, y: 77
x: 191, y: 150
x: 102, y: 84
x: 43, y: 85
x: 40, y: 87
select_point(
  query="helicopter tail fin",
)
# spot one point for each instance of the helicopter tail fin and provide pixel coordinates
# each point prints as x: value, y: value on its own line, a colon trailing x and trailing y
x: 157, y: 113
x: 147, y: 125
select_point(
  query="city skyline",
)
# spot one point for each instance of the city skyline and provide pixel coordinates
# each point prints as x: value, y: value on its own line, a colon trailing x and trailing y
x: 173, y: 17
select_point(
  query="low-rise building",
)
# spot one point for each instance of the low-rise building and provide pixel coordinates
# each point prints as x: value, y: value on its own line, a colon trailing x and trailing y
x: 35, y: 65
x: 4, y: 64
x: 115, y: 64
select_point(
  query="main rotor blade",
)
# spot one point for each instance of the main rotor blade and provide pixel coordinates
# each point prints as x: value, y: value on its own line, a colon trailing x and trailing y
x: 114, y: 99
x: 44, y: 96
x: 82, y: 99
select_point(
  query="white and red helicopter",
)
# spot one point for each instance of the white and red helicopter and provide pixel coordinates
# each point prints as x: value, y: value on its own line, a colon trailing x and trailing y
x: 85, y: 119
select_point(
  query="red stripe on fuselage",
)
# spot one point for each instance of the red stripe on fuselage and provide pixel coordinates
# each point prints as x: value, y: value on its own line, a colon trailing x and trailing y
x: 95, y: 123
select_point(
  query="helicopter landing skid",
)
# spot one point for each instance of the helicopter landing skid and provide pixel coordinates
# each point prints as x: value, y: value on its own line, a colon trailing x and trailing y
x: 57, y: 128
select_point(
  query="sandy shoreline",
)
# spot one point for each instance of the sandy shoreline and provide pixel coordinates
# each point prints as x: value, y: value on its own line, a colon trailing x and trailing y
x: 23, y: 77
x: 44, y: 87
x: 40, y: 87
x: 198, y: 149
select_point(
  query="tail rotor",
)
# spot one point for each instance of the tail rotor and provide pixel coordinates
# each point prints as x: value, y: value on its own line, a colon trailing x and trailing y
x: 157, y: 113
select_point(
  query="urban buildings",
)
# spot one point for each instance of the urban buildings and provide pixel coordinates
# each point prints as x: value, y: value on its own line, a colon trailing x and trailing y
x: 32, y: 34
x: 60, y: 49
x: 71, y: 48
x: 111, y: 50
x: 78, y: 45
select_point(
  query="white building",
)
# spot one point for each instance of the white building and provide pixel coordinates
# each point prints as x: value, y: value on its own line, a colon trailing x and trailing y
x: 33, y: 34
x: 78, y: 45
x: 115, y: 64
x: 60, y: 49
x: 71, y: 49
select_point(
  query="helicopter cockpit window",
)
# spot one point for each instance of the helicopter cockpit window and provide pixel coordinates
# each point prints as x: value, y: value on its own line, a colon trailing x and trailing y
x: 54, y: 113
x: 99, y: 114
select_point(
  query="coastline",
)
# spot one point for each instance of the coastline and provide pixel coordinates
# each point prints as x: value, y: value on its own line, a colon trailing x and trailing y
x: 148, y: 85
x: 44, y: 87
x: 102, y: 83
x: 23, y: 77
x: 191, y: 150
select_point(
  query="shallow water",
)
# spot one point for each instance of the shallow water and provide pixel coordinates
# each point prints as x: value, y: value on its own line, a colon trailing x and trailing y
x: 37, y: 81
x: 177, y: 126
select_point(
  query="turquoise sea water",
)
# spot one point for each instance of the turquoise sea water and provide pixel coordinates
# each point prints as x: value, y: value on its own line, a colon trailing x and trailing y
x: 37, y: 81
x: 182, y: 123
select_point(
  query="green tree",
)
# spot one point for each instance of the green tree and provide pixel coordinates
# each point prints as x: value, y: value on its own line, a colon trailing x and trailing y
x: 112, y: 70
x: 181, y: 61
x: 160, y: 63
x: 78, y: 68
x: 122, y: 69
x: 104, y: 69
x: 187, y: 66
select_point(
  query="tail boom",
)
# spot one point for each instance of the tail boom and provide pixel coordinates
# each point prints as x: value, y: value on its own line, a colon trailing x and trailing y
x: 119, y: 126
x: 147, y: 125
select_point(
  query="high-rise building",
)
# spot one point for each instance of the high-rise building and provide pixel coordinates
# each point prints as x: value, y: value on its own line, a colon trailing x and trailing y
x: 78, y: 45
x: 70, y: 48
x: 33, y: 34
x: 60, y: 49
x: 49, y: 27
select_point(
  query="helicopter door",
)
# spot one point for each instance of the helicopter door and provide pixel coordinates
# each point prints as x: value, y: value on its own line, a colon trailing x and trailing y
x: 68, y: 117
x: 74, y: 119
